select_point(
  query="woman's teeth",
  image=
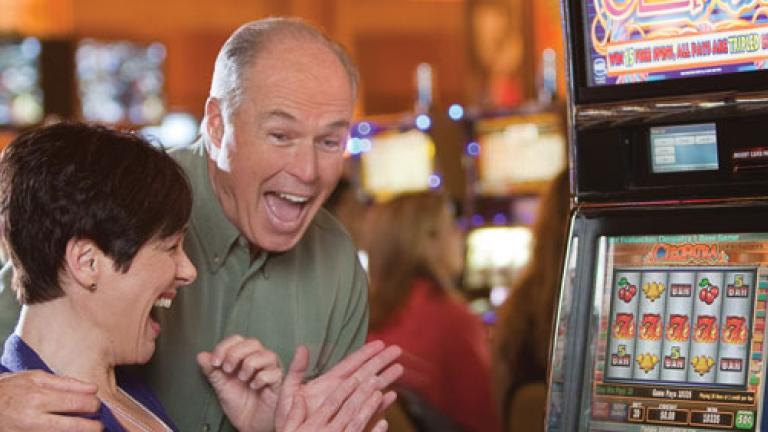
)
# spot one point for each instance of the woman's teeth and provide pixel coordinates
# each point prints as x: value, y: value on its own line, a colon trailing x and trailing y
x: 297, y: 199
x: 163, y: 303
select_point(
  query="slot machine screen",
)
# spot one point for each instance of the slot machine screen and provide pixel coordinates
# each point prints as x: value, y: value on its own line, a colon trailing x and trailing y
x: 519, y: 150
x: 657, y: 40
x: 21, y: 93
x: 495, y: 255
x: 121, y: 82
x: 398, y: 162
x: 678, y: 331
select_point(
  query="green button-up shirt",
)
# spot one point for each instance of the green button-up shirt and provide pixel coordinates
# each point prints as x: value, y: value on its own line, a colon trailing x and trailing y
x: 315, y: 294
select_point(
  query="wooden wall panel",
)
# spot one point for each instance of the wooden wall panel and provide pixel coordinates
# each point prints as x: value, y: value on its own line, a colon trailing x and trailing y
x: 147, y: 18
x: 189, y: 68
x: 388, y: 63
x: 36, y: 17
x: 388, y: 38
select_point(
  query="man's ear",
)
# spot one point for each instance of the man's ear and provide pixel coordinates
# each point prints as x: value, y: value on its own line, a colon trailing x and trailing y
x: 82, y: 259
x: 214, y: 124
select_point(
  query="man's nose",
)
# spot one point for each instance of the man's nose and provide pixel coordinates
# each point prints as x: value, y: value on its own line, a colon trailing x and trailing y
x: 303, y: 164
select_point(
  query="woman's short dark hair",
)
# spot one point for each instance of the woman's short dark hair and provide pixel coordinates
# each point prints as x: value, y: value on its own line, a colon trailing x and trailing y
x: 73, y: 180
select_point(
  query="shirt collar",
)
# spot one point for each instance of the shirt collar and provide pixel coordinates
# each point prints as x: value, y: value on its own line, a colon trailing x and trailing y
x: 18, y: 356
x: 218, y: 234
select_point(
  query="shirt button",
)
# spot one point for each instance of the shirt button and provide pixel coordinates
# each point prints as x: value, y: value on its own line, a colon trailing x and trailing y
x: 205, y: 427
x: 216, y: 259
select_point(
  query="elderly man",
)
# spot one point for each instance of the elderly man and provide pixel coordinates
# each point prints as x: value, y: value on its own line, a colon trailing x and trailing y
x: 272, y: 264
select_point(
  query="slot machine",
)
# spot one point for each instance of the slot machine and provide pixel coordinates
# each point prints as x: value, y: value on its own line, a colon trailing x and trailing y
x: 36, y: 80
x: 511, y: 157
x: 121, y: 82
x: 660, y: 323
x: 393, y: 159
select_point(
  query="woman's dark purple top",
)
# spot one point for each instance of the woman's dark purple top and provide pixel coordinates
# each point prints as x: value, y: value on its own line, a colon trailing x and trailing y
x: 18, y: 356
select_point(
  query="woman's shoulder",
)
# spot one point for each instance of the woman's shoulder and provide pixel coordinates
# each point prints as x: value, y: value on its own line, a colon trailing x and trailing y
x: 451, y: 307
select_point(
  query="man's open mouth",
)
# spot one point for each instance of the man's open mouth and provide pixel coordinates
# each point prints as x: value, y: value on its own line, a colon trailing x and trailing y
x: 286, y: 207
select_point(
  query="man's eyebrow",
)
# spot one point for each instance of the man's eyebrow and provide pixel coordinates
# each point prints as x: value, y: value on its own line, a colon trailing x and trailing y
x: 284, y: 115
x: 279, y: 114
x: 339, y: 124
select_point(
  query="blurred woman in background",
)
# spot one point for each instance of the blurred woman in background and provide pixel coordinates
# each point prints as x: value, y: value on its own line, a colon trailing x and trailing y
x: 523, y: 330
x: 416, y: 251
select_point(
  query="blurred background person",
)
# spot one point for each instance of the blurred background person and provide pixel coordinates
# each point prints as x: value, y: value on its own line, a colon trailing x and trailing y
x: 350, y: 207
x: 416, y: 251
x: 523, y: 330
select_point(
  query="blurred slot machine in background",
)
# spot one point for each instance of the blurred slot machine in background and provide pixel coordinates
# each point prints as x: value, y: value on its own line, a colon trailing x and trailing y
x: 120, y: 82
x: 21, y: 89
x: 519, y: 153
x: 36, y: 83
x: 393, y: 156
x: 511, y: 159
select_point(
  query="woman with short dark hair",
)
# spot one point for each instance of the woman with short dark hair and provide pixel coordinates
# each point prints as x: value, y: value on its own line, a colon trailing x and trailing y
x: 93, y: 221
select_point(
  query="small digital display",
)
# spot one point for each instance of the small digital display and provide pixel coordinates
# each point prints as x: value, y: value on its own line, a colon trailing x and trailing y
x: 684, y: 148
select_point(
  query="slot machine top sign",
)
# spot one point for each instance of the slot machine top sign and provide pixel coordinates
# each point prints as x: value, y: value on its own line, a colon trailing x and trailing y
x: 630, y: 42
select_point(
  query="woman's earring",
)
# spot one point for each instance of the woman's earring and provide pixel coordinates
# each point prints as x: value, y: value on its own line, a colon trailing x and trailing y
x: 92, y: 287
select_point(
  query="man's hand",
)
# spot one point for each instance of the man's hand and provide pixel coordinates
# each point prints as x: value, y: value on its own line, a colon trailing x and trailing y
x: 35, y: 400
x: 364, y: 373
x: 349, y: 408
x: 246, y: 377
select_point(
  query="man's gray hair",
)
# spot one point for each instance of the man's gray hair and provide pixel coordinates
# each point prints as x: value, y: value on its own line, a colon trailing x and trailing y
x: 247, y: 42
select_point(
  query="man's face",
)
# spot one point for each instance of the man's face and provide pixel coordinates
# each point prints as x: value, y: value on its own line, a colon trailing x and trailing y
x: 281, y: 152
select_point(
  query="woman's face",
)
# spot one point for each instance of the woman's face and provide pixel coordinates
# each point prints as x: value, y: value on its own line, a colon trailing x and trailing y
x: 123, y: 301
